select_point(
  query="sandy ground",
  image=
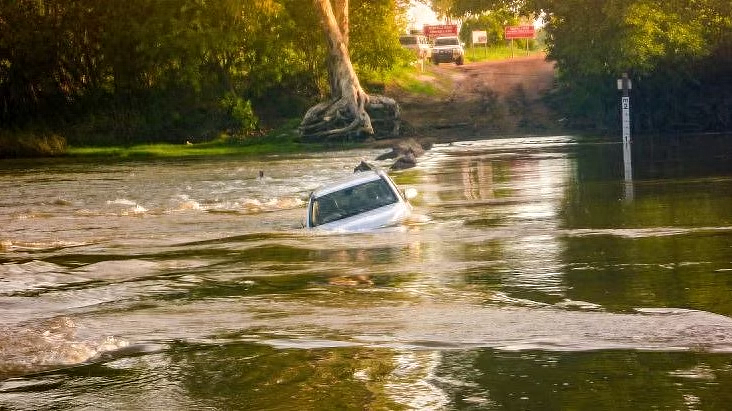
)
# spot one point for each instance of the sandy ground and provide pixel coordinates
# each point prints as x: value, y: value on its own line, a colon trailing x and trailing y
x: 480, y: 99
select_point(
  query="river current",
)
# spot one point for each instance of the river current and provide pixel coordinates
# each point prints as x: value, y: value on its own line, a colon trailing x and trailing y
x: 532, y: 276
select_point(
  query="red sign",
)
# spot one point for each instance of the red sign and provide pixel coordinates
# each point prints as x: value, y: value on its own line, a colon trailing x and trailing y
x: 440, y: 30
x: 519, y: 32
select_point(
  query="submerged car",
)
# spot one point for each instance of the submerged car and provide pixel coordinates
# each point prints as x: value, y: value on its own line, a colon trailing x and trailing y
x: 365, y: 200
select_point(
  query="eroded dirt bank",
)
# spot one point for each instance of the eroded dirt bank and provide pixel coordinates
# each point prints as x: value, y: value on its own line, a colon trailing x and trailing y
x: 480, y: 99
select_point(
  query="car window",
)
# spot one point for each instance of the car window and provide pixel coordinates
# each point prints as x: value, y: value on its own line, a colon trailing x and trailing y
x: 407, y: 40
x: 446, y: 42
x: 351, y: 201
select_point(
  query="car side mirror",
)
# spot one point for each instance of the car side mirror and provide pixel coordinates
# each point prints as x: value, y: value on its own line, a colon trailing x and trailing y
x: 410, y: 193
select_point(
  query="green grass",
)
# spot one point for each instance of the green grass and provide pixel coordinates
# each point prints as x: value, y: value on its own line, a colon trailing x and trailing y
x: 215, y: 148
x: 496, y: 52
x: 162, y: 150
x: 282, y: 140
x: 407, y: 79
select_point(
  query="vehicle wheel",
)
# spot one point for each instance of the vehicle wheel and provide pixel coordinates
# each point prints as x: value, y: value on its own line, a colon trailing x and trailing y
x: 435, y: 62
x: 459, y: 61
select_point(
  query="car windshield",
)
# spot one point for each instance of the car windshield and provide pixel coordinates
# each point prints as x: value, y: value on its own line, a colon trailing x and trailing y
x: 407, y: 40
x: 448, y: 41
x: 351, y: 201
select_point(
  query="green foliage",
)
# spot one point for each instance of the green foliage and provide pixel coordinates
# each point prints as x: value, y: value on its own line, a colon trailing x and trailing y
x: 241, y: 112
x: 493, y: 22
x: 155, y: 70
x: 461, y: 8
x: 676, y: 52
x: 374, y: 39
x: 660, y: 44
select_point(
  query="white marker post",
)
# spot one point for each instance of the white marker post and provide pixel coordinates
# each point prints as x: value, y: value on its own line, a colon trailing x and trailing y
x: 625, y: 85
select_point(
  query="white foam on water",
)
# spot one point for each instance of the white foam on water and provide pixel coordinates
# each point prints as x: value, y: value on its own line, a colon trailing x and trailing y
x: 50, y: 344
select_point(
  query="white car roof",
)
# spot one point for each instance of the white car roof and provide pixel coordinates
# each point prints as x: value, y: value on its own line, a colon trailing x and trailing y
x: 354, y: 179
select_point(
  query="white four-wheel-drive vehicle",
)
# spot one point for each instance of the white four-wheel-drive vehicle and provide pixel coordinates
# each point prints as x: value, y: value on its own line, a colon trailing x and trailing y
x: 448, y: 50
x: 418, y: 44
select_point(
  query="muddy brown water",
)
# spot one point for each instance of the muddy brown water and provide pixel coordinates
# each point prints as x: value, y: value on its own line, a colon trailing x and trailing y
x: 532, y: 277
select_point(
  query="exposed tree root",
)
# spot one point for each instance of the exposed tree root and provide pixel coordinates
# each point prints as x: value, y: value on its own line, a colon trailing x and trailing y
x: 347, y: 119
x: 350, y: 113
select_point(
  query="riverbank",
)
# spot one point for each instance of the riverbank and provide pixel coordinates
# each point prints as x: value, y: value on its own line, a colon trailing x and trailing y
x: 282, y: 140
x: 481, y: 99
x: 439, y: 103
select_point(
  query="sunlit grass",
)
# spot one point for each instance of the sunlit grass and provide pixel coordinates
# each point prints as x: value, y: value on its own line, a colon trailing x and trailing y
x: 277, y: 141
x: 411, y: 80
x: 214, y: 148
x: 171, y: 150
x: 495, y: 52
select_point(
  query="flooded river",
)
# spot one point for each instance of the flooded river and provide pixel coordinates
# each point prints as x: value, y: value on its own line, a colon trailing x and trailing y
x: 533, y: 276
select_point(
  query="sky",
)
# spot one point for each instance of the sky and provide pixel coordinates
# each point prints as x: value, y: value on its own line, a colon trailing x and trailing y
x: 420, y: 14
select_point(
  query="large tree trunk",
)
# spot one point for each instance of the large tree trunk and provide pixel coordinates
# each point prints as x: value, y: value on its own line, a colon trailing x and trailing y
x: 345, y: 115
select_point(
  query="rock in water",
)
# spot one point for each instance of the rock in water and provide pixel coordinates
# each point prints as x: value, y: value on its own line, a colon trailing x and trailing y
x: 406, y: 160
x: 363, y: 166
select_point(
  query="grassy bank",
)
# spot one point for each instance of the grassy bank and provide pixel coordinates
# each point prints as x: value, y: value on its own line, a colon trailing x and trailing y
x: 31, y: 143
x: 177, y: 150
x: 495, y: 52
x: 408, y: 79
x: 196, y: 150
x: 281, y: 140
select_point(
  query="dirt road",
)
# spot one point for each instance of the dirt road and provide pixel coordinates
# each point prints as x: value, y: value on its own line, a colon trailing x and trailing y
x: 480, y: 99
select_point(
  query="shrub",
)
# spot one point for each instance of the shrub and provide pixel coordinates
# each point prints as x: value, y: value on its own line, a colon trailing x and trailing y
x: 31, y: 144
